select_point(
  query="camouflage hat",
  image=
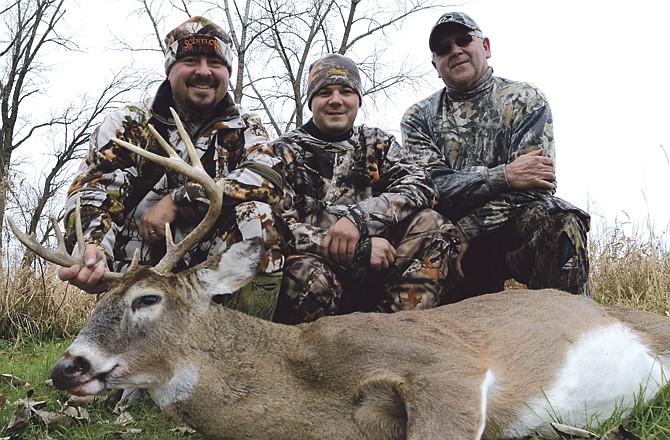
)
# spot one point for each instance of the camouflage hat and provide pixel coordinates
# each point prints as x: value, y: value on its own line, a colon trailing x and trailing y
x: 197, y: 36
x: 333, y: 69
x: 460, y: 18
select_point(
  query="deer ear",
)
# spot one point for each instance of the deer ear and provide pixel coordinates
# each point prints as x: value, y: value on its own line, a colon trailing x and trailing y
x: 233, y: 269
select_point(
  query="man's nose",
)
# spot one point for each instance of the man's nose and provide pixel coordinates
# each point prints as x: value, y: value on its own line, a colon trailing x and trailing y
x: 336, y: 97
x: 202, y: 68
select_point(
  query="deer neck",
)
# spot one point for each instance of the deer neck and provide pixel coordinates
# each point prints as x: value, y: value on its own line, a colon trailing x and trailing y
x: 227, y: 348
x: 242, y: 364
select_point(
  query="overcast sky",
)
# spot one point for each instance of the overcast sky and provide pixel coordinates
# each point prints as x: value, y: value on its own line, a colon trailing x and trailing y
x: 601, y: 64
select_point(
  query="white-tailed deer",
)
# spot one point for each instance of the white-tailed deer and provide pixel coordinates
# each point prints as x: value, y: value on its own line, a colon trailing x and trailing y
x: 496, y: 366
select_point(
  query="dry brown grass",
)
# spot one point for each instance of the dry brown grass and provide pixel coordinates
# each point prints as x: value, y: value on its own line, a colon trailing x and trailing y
x: 36, y: 305
x: 630, y: 269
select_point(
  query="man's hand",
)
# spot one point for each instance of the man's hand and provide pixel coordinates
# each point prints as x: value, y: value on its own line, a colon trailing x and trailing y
x: 339, y: 244
x: 383, y: 254
x: 87, y: 277
x: 458, y: 269
x: 531, y: 170
x: 152, y: 223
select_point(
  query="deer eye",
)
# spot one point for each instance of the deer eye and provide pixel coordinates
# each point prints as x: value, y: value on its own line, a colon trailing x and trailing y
x: 146, y: 301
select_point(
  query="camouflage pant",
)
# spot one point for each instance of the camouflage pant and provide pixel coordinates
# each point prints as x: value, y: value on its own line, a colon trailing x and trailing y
x: 544, y: 246
x: 425, y: 243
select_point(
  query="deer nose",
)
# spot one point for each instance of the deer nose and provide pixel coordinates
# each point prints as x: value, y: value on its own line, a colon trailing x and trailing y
x: 68, y: 369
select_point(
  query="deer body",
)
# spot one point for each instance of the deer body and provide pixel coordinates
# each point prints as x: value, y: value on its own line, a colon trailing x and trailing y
x: 495, y: 366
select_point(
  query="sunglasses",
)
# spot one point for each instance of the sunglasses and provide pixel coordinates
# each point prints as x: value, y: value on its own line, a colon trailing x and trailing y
x: 461, y: 41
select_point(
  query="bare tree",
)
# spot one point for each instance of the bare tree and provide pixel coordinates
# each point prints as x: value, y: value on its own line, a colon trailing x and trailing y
x: 33, y: 204
x: 276, y: 40
x: 300, y: 32
x: 30, y: 29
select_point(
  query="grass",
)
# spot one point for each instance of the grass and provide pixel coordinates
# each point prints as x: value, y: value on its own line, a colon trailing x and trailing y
x: 30, y: 364
x: 36, y: 305
x: 39, y: 316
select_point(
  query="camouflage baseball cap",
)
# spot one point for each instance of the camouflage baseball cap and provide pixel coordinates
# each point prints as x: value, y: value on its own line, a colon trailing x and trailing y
x: 197, y: 36
x: 333, y: 69
x: 460, y: 18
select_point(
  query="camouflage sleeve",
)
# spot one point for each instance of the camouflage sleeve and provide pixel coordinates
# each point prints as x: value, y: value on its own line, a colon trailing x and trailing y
x: 479, y: 192
x: 459, y: 190
x: 536, y: 131
x: 255, y: 173
x: 101, y: 183
x: 402, y: 189
x: 306, y: 237
x: 418, y: 138
x: 258, y: 175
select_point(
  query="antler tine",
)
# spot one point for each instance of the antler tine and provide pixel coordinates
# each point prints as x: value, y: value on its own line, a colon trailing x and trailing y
x: 192, y: 154
x: 79, y: 230
x: 55, y: 256
x: 60, y: 255
x: 196, y: 172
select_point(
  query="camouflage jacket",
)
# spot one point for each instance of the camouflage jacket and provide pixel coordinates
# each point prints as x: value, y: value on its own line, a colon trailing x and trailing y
x: 117, y: 187
x: 354, y: 178
x: 467, y: 137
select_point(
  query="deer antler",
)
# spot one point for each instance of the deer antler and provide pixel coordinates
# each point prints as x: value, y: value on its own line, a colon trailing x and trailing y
x: 60, y: 255
x: 196, y: 172
x: 175, y: 252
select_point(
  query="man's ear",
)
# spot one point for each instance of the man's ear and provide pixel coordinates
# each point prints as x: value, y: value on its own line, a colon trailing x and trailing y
x: 487, y: 47
x: 435, y: 66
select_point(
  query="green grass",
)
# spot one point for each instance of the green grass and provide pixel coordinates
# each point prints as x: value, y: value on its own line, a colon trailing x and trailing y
x: 31, y: 363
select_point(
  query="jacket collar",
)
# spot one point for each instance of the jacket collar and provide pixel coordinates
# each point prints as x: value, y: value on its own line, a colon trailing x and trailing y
x: 311, y: 128
x: 483, y: 85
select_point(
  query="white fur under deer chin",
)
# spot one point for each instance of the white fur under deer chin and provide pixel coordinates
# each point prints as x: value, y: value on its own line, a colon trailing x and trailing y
x: 627, y: 368
x: 179, y: 388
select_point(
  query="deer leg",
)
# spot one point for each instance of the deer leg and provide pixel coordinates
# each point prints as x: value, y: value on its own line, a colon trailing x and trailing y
x: 452, y: 405
x: 381, y: 407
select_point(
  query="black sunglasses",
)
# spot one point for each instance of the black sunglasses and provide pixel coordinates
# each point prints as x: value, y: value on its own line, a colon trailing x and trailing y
x: 461, y: 41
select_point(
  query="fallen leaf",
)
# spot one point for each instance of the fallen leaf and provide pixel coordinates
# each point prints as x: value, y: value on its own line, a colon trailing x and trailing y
x: 78, y: 413
x: 83, y: 414
x: 53, y: 420
x: 29, y: 403
x: 183, y: 430
x: 124, y: 419
x: 70, y: 411
x: 18, y: 420
x: 85, y: 399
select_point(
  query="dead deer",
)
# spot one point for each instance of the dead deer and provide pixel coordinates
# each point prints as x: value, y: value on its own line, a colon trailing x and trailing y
x: 502, y: 365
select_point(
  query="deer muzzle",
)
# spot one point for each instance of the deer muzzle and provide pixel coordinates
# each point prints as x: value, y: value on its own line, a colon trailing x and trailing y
x: 73, y: 374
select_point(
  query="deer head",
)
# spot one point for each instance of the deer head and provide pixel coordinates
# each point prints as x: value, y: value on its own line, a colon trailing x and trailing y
x: 134, y: 345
